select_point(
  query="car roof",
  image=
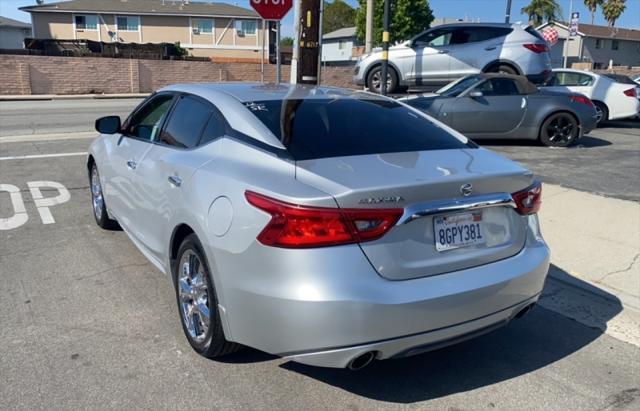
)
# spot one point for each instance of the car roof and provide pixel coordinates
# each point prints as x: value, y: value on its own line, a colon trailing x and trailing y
x: 476, y: 24
x: 248, y: 92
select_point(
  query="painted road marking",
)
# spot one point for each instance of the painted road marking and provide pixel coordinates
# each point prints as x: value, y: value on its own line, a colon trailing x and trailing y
x: 43, y: 204
x: 20, y: 215
x: 48, y: 137
x: 32, y: 156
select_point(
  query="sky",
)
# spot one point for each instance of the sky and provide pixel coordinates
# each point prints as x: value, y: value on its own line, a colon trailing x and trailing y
x: 485, y: 10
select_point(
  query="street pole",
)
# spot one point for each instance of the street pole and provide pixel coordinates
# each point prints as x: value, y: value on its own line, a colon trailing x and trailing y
x: 385, y: 49
x: 293, y: 77
x: 309, y: 31
x: 565, y: 46
x: 278, y: 52
x: 507, y: 15
x: 264, y: 32
x: 368, y: 36
x: 320, y: 20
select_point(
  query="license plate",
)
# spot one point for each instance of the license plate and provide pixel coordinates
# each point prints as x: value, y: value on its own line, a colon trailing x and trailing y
x: 458, y: 230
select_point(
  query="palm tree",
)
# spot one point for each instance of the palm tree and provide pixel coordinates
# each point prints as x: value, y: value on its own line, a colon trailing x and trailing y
x: 612, y: 10
x: 541, y: 10
x: 592, y: 5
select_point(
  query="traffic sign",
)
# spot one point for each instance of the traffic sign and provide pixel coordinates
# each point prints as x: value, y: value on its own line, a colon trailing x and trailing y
x: 573, y: 25
x: 272, y: 9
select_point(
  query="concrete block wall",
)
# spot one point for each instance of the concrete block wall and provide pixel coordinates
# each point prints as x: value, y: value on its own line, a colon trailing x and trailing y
x: 25, y: 75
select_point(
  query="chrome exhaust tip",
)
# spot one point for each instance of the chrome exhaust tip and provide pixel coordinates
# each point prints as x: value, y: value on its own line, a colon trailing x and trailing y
x: 361, y: 361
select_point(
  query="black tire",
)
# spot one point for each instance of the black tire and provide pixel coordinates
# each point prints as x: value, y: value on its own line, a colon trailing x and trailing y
x: 603, y: 112
x: 559, y: 130
x: 502, y: 68
x: 373, y: 80
x: 98, y: 204
x: 211, y: 342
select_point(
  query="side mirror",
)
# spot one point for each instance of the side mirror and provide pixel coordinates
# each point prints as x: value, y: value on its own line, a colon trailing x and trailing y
x: 108, y: 125
x: 475, y: 94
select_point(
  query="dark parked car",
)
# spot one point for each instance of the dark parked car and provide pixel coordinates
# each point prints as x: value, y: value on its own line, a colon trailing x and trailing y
x: 495, y: 106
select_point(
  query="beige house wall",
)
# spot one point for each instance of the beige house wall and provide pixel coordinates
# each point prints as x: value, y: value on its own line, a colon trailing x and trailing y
x: 223, y: 42
x: 52, y: 25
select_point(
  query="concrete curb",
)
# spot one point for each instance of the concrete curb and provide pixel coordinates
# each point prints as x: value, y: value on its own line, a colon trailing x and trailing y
x: 41, y: 97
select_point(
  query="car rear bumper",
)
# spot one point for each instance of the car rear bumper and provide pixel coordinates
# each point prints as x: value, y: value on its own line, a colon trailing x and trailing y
x: 325, y: 306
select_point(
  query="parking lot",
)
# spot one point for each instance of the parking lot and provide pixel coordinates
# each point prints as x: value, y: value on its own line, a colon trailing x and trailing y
x: 87, y: 322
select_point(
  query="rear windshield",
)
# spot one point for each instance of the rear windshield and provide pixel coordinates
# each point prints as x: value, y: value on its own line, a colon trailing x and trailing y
x: 320, y: 128
x: 619, y: 78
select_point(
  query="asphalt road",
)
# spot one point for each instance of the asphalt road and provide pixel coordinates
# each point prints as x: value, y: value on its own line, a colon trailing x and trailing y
x: 87, y: 322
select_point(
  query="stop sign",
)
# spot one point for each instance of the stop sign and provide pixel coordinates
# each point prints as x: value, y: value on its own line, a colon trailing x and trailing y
x: 272, y: 9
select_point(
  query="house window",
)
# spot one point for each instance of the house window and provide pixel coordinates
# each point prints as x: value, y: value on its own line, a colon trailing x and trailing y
x: 615, y: 44
x: 128, y: 23
x: 86, y: 22
x: 246, y: 27
x: 600, y: 43
x: 202, y: 26
x: 342, y: 44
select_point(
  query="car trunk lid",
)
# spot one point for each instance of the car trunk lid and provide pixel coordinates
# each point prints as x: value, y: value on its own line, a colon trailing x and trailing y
x: 413, y: 181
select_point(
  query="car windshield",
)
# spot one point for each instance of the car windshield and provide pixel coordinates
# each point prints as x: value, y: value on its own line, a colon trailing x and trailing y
x: 457, y: 87
x: 324, y: 127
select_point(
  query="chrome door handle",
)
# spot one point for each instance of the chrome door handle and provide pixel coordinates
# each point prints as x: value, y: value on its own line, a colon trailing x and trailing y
x: 443, y: 51
x: 175, y: 181
x: 131, y: 164
x: 491, y: 48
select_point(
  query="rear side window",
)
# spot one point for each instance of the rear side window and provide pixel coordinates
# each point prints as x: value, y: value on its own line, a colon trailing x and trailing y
x: 320, y: 128
x: 498, y: 87
x: 216, y: 127
x: 619, y: 78
x: 186, y: 123
x: 569, y: 79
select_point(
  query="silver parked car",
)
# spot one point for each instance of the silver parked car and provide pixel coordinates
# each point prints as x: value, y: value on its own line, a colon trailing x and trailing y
x: 502, y: 106
x: 448, y: 52
x: 327, y: 226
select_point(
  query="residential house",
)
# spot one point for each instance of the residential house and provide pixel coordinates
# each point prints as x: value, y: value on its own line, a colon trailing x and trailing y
x: 595, y: 44
x: 218, y: 30
x: 337, y: 46
x: 13, y: 33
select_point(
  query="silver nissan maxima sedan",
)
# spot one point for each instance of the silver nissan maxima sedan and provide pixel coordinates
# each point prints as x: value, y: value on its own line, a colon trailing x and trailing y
x: 328, y: 226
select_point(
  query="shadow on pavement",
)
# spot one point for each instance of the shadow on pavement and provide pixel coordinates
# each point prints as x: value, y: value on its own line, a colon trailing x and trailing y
x: 537, y: 340
x: 584, y: 142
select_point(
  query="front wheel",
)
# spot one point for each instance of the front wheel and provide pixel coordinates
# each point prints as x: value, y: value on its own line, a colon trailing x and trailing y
x: 559, y: 130
x: 374, y: 80
x: 197, y: 301
x: 97, y: 201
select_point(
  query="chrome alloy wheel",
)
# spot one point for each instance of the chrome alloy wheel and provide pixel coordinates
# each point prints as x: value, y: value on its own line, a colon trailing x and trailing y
x: 193, y: 295
x: 96, y: 193
x: 599, y: 114
x: 376, y: 81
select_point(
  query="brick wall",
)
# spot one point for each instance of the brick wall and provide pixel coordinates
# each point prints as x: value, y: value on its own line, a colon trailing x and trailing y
x: 24, y: 75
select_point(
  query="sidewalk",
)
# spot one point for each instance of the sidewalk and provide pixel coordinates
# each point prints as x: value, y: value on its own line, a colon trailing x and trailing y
x: 595, y: 249
x: 34, y: 97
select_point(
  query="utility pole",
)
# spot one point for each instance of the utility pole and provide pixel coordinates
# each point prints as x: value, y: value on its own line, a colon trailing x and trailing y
x: 385, y: 49
x: 507, y: 15
x: 368, y: 36
x: 309, y: 42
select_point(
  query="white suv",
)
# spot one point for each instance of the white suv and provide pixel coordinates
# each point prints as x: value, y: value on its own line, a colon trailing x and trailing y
x: 445, y: 53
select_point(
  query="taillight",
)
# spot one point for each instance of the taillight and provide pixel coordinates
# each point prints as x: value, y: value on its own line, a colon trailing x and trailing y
x: 631, y: 92
x: 582, y: 99
x: 528, y: 201
x: 297, y: 226
x: 537, y: 48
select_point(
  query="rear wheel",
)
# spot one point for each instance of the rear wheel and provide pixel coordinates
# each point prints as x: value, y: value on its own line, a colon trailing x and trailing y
x: 374, y: 80
x: 602, y: 112
x: 197, y: 301
x: 502, y: 68
x: 559, y: 130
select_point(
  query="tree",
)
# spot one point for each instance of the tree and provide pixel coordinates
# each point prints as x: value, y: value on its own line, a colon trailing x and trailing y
x: 407, y: 18
x: 592, y: 5
x: 337, y: 15
x: 612, y: 10
x: 286, y: 41
x: 541, y: 10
